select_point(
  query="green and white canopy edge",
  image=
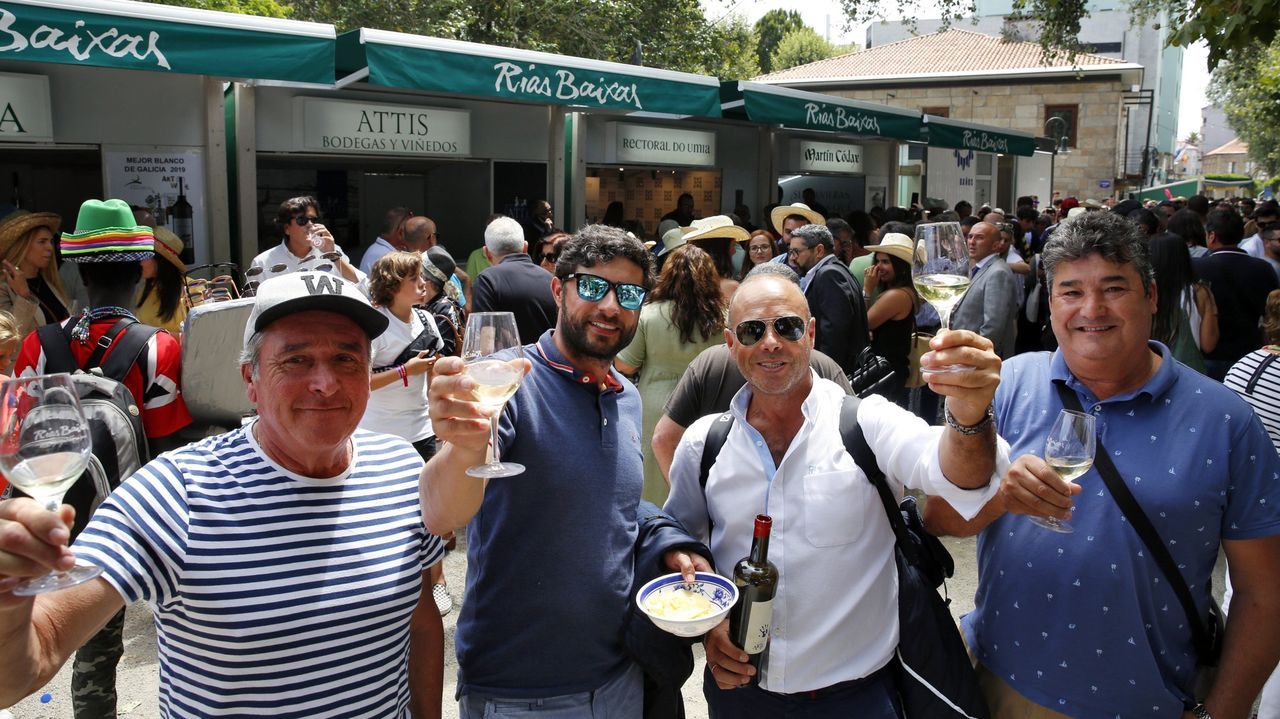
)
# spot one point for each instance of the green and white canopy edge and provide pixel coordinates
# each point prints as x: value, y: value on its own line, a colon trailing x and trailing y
x: 145, y: 36
x: 469, y: 69
x: 775, y: 105
x: 961, y: 135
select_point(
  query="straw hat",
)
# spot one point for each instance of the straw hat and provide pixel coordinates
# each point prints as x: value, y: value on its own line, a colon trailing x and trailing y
x: 896, y: 244
x: 19, y: 222
x: 1091, y: 204
x: 107, y: 232
x: 169, y: 246
x: 715, y: 227
x: 671, y: 239
x: 782, y: 212
x: 1076, y: 211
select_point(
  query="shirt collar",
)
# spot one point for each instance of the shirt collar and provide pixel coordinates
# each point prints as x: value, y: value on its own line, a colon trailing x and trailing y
x: 1155, y: 386
x: 551, y: 356
x: 516, y: 257
x: 1229, y: 248
x: 986, y: 260
x: 742, y: 399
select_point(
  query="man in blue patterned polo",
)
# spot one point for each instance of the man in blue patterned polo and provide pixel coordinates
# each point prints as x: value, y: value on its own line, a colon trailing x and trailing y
x: 1085, y: 624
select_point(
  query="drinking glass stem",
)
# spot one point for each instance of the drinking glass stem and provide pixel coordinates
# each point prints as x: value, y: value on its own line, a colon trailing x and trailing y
x: 493, y: 441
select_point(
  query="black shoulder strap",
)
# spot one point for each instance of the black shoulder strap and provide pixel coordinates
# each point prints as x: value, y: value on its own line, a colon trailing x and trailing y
x: 716, y: 437
x: 129, y: 344
x: 57, y: 349
x: 855, y: 443
x: 1257, y: 373
x: 1146, y: 531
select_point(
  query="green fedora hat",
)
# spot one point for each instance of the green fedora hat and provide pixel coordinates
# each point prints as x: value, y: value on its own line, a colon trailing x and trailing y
x: 107, y: 232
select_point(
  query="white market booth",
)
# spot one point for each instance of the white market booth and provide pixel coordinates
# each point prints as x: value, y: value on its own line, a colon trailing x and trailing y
x: 125, y: 99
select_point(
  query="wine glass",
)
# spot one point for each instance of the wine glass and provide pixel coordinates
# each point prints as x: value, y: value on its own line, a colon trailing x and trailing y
x: 940, y: 272
x: 45, y: 445
x: 314, y: 236
x: 496, y: 380
x: 1069, y: 451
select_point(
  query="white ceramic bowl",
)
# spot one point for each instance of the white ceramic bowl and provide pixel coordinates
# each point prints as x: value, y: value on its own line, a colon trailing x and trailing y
x: 719, y: 590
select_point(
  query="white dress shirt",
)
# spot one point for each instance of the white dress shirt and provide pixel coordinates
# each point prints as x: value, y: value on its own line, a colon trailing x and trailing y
x: 280, y: 255
x: 1253, y: 246
x: 835, y: 614
x: 376, y: 251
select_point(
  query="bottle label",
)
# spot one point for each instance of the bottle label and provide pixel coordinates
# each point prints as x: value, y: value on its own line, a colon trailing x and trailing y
x: 759, y: 619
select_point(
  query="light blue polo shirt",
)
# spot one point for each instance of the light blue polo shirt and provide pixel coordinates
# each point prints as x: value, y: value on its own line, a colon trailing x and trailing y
x: 1085, y: 623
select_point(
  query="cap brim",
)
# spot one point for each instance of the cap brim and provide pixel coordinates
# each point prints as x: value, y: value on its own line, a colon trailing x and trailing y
x: 373, y: 322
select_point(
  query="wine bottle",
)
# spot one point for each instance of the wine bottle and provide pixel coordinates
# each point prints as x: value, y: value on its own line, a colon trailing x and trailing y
x: 180, y: 213
x: 757, y: 580
x: 17, y: 193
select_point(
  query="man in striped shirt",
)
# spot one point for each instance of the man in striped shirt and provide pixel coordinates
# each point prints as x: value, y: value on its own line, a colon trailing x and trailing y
x: 283, y: 560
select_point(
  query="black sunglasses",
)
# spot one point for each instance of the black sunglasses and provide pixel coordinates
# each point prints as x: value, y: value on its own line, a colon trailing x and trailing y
x: 593, y: 289
x: 552, y: 257
x: 789, y: 328
x: 304, y: 220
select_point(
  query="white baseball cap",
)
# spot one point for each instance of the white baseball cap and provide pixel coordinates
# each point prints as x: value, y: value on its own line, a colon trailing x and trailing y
x: 286, y: 294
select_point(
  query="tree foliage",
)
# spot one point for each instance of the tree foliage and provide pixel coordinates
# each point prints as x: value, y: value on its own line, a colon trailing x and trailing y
x: 800, y: 47
x: 262, y: 8
x: 770, y: 29
x: 735, y: 40
x: 1247, y: 86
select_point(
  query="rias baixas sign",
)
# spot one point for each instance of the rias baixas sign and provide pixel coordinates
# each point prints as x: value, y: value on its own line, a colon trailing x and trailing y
x: 25, y: 112
x: 324, y: 125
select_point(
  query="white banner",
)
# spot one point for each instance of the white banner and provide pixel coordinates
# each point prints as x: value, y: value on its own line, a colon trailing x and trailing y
x: 26, y: 114
x: 811, y: 156
x: 950, y: 175
x: 148, y: 177
x: 324, y: 125
x: 656, y: 145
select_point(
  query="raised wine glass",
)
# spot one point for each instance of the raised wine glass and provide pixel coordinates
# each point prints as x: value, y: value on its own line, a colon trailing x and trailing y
x: 1069, y: 451
x: 45, y: 445
x: 496, y: 380
x: 940, y: 272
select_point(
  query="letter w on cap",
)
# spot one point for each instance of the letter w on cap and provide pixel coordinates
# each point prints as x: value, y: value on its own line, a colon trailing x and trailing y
x: 323, y: 285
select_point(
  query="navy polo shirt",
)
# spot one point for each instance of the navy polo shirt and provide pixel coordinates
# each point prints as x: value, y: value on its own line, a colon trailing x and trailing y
x: 550, y: 553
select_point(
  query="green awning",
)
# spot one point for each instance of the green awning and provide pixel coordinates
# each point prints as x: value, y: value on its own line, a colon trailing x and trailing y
x: 773, y: 105
x: 945, y: 132
x: 464, y: 68
x: 1182, y: 188
x: 145, y: 36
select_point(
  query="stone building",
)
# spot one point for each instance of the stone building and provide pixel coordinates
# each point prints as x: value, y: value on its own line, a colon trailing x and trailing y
x: 1232, y: 158
x: 967, y: 75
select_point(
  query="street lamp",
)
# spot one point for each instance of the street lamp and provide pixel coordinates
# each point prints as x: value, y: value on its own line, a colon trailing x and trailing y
x: 1063, y: 148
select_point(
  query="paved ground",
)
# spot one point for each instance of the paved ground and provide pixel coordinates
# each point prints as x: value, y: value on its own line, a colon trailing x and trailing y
x: 138, y: 682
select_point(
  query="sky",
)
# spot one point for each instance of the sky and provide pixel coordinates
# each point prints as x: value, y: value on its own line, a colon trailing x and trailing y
x: 828, y: 19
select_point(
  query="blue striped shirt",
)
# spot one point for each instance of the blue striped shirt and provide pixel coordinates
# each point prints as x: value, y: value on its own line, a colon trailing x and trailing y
x: 274, y: 594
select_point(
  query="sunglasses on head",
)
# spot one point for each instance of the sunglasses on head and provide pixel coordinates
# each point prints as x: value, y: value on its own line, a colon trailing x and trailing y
x: 789, y: 328
x: 551, y: 257
x: 304, y: 220
x: 593, y: 289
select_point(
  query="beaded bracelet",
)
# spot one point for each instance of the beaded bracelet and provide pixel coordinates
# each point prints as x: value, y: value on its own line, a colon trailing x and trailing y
x: 970, y: 430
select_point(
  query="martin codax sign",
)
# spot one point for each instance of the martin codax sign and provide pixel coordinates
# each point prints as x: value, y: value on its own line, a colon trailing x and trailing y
x: 323, y: 125
x: 828, y: 157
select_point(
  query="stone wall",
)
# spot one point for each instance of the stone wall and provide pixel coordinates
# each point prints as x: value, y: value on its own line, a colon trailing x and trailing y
x: 1021, y: 107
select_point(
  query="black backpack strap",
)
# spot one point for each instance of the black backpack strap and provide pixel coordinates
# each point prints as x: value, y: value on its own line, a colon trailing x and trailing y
x: 57, y: 349
x: 716, y: 437
x: 855, y: 443
x: 128, y: 346
x: 1257, y: 373
x: 1200, y: 635
x: 107, y: 340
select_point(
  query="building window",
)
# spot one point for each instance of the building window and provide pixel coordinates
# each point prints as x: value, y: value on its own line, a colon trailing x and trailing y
x: 1231, y: 167
x: 940, y: 111
x: 1068, y: 113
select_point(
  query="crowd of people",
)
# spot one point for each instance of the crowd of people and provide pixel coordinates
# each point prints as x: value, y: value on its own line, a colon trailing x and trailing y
x: 293, y: 564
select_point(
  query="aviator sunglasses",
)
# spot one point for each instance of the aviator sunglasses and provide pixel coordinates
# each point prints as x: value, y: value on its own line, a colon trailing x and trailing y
x: 789, y: 328
x: 593, y: 289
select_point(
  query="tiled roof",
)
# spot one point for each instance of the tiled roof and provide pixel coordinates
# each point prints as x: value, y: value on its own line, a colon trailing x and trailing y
x: 946, y: 51
x: 1235, y: 147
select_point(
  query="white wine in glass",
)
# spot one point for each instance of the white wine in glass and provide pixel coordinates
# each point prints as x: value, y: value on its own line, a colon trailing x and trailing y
x: 940, y: 273
x: 1069, y: 451
x: 45, y: 446
x: 496, y: 380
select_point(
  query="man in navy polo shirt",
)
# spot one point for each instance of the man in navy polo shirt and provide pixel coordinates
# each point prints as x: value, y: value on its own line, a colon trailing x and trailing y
x: 1086, y: 624
x: 551, y: 551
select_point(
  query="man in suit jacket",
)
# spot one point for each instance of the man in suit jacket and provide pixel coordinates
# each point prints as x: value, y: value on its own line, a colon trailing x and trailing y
x: 512, y: 283
x: 990, y: 306
x: 834, y: 296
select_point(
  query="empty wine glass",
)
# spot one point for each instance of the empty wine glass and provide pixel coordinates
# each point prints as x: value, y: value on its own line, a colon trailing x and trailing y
x: 45, y: 446
x: 314, y: 236
x: 496, y: 380
x: 940, y: 272
x: 1069, y: 450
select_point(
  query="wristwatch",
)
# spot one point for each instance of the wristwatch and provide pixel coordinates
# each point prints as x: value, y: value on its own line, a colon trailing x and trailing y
x: 1201, y: 712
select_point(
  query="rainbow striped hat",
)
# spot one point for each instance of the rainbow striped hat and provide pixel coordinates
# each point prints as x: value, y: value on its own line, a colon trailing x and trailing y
x: 105, y: 232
